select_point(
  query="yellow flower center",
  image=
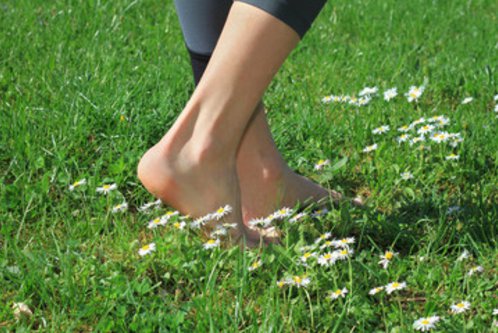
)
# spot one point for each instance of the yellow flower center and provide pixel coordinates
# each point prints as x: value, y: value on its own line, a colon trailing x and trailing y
x: 307, y: 255
x: 255, y: 265
x: 395, y: 285
x: 297, y: 279
x: 220, y: 210
x: 460, y: 305
x: 280, y: 284
x: 106, y: 187
x: 327, y: 256
x: 177, y: 225
x: 389, y: 255
x: 425, y: 322
x: 344, y: 252
x: 122, y: 118
x: 145, y: 247
x: 211, y: 241
x: 338, y: 292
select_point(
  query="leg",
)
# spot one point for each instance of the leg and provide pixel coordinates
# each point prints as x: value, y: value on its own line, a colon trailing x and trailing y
x: 193, y: 167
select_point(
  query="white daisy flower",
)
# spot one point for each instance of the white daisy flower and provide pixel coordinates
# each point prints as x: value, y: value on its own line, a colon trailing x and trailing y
x: 381, y: 130
x: 344, y: 98
x: 370, y: 148
x: 221, y: 212
x: 465, y: 255
x: 326, y: 244
x: 417, y: 139
x: 297, y: 217
x: 321, y: 164
x: 255, y: 265
x: 148, y: 205
x: 211, y: 244
x: 386, y: 258
x: 328, y: 99
x: 419, y: 121
x: 368, y: 91
x: 403, y: 138
x: 326, y: 259
x: 455, y: 141
x: 442, y: 122
x: 282, y: 213
x: 342, y: 254
x: 299, y: 281
x: 76, y: 184
x: 452, y: 157
x: 338, y: 293
x: 179, y: 225
x: 120, y: 208
x: 156, y: 222
x: 496, y: 108
x: 306, y: 255
x: 363, y: 100
x: 390, y: 94
x: 440, y: 137
x: 425, y: 129
x: 495, y: 311
x: 393, y: 286
x: 323, y: 237
x: 475, y: 269
x: 219, y: 231
x: 169, y: 214
x: 146, y: 249
x: 426, y: 324
x: 467, y: 100
x: 199, y: 222
x: 281, y: 283
x: 320, y: 212
x: 343, y: 243
x: 260, y: 222
x: 460, y: 307
x: 405, y: 128
x: 107, y: 188
x: 414, y: 93
x: 375, y: 290
x: 407, y: 175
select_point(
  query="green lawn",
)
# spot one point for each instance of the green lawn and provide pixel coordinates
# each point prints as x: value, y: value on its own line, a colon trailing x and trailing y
x: 87, y: 86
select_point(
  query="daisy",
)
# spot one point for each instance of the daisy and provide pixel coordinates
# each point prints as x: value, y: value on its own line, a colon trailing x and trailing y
x: 407, y: 175
x: 495, y: 311
x: 364, y: 100
x: 417, y: 139
x: 281, y: 283
x: 414, y: 93
x: 282, y: 213
x: 321, y: 164
x: 221, y: 212
x: 260, y: 222
x: 403, y: 138
x: 393, y: 286
x: 219, y: 231
x: 454, y: 142
x: 299, y: 281
x: 211, y: 244
x: 368, y: 91
x: 495, y: 98
x: 120, y: 208
x: 197, y: 223
x: 342, y: 254
x: 156, y: 222
x: 169, y: 214
x: 496, y: 108
x: 328, y: 99
x: 76, y: 184
x: 353, y: 100
x: 370, y: 148
x: 107, y: 188
x: 297, y: 217
x: 418, y: 121
x: 381, y: 130
x: 338, y: 293
x: 326, y: 244
x: 326, y: 259
x: 146, y: 249
x: 440, y: 137
x: 452, y: 157
x: 390, y: 94
x: 343, y: 243
x: 320, y: 212
x: 442, y: 122
x: 375, y: 290
x: 386, y: 258
x: 460, y: 307
x: 344, y: 98
x: 322, y: 237
x: 467, y: 100
x: 306, y: 255
x: 404, y: 128
x: 255, y: 265
x: 180, y: 225
x: 425, y: 324
x: 475, y: 269
x: 425, y: 129
x: 148, y: 205
x: 465, y: 255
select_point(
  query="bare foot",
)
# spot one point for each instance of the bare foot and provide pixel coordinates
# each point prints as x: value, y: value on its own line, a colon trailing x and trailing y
x: 194, y: 185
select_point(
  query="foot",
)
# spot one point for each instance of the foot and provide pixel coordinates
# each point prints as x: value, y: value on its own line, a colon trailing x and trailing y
x: 194, y: 185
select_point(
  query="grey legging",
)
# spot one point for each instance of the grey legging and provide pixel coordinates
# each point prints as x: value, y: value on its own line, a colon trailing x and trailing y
x: 203, y: 20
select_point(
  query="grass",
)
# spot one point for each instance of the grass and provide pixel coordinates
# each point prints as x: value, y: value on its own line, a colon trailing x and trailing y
x: 69, y: 70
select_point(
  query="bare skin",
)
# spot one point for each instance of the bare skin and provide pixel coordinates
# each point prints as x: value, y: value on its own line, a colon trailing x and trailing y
x: 193, y: 167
